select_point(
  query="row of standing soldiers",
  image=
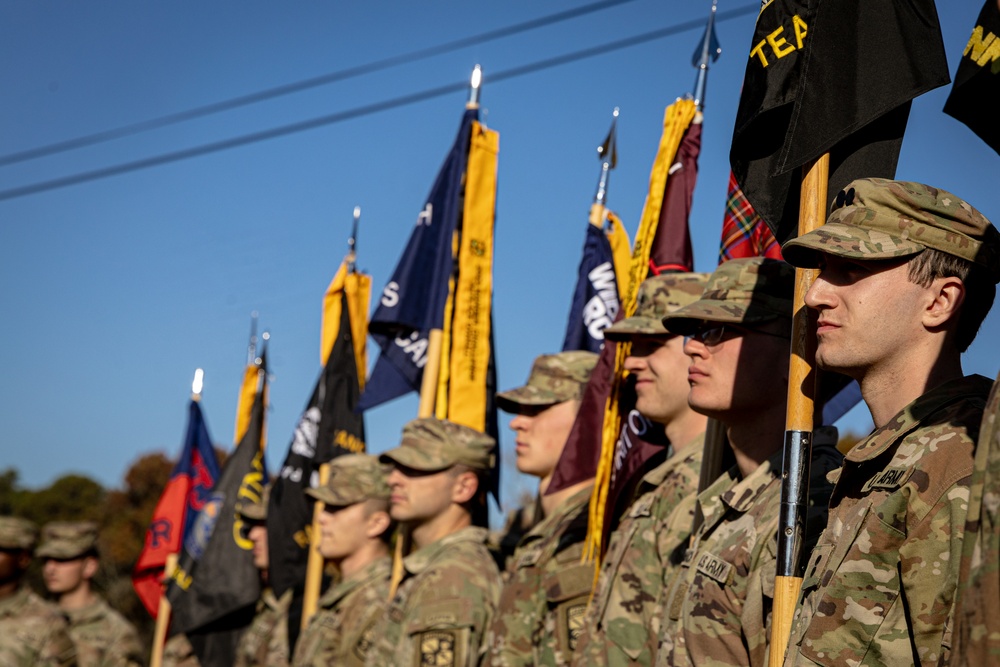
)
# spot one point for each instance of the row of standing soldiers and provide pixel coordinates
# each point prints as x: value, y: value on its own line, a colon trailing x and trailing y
x: 907, y: 274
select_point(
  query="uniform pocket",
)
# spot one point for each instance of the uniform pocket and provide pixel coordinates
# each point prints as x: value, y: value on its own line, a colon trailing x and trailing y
x: 858, y: 585
x: 567, y: 592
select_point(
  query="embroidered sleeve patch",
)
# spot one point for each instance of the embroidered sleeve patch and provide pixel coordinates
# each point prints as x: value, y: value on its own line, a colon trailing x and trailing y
x: 365, y: 641
x: 574, y: 624
x: 437, y: 648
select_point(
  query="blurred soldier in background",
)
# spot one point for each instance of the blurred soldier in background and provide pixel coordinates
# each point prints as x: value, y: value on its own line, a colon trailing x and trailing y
x: 450, y: 583
x: 265, y: 642
x: 547, y: 587
x: 355, y: 533
x: 32, y: 631
x: 102, y: 636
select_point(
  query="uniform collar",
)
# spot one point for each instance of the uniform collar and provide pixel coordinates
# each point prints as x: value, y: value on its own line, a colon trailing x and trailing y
x: 91, y: 612
x: 731, y: 492
x: 910, y: 417
x: 420, y: 560
x: 16, y: 602
x: 545, y: 527
x: 377, y: 569
x: 692, y: 451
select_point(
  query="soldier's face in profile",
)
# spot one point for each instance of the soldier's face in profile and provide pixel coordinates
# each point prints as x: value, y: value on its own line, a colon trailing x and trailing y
x: 13, y: 563
x: 869, y: 313
x: 660, y: 369
x: 342, y: 530
x: 258, y: 535
x: 418, y: 495
x: 541, y: 435
x: 740, y: 374
x: 65, y: 576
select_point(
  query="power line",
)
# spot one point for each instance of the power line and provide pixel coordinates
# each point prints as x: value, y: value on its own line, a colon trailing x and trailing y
x: 365, y: 110
x: 305, y: 84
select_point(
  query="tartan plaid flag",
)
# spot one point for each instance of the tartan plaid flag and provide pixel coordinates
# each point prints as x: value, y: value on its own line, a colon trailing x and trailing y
x: 744, y: 234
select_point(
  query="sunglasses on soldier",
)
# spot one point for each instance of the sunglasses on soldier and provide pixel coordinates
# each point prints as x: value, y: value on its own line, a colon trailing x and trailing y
x: 711, y: 334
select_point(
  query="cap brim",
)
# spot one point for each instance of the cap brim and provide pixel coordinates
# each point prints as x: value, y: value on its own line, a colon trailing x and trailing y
x: 849, y: 241
x: 409, y: 458
x: 514, y: 399
x: 687, y: 320
x: 58, y: 553
x: 632, y: 327
x: 331, y: 498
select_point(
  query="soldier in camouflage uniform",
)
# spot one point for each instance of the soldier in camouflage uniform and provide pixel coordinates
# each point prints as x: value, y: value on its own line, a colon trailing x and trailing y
x: 265, y: 642
x: 719, y: 607
x: 645, y: 550
x: 907, y: 274
x: 546, y: 590
x: 355, y: 530
x: 450, y: 584
x: 102, y: 636
x: 32, y: 631
x: 977, y: 608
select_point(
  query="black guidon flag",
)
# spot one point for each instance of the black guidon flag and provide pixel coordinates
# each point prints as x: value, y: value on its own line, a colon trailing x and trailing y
x: 327, y: 428
x: 214, y: 591
x: 975, y: 96
x: 825, y: 76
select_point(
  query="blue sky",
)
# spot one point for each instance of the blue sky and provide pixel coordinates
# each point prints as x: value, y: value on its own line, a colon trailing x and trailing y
x: 113, y: 291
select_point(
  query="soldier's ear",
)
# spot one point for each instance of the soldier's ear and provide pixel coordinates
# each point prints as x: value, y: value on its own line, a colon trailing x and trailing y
x: 465, y: 487
x: 378, y: 522
x: 90, y: 566
x: 945, y: 297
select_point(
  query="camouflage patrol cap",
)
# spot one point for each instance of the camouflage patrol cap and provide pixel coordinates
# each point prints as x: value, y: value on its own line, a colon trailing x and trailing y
x: 748, y: 290
x: 255, y: 511
x: 353, y: 479
x: 658, y: 296
x: 876, y: 218
x: 554, y: 378
x: 64, y: 540
x: 17, y: 533
x: 431, y: 444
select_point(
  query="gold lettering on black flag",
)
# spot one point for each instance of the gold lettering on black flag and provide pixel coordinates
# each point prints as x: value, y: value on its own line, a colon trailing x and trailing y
x: 826, y: 76
x: 975, y: 96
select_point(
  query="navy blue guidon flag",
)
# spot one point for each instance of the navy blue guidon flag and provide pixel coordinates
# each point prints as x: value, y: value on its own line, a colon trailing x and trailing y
x: 413, y: 301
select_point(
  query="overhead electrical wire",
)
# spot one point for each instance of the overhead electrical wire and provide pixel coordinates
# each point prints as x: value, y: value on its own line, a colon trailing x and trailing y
x: 364, y: 110
x: 304, y: 84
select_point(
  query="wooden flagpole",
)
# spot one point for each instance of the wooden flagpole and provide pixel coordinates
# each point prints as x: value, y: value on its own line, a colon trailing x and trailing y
x: 798, y: 424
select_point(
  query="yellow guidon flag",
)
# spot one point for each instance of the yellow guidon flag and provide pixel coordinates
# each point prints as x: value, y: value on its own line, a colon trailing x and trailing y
x: 463, y: 394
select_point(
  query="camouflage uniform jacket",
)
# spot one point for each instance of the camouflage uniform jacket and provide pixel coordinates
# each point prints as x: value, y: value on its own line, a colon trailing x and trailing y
x: 33, y: 632
x: 546, y: 591
x: 178, y: 652
x: 719, y: 610
x: 342, y: 631
x: 644, y: 554
x: 265, y: 642
x: 103, y: 637
x: 977, y: 606
x: 443, y: 606
x: 880, y: 586
x: 517, y: 524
